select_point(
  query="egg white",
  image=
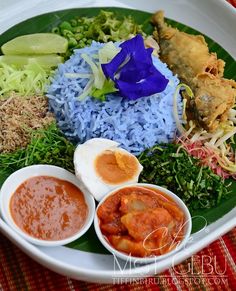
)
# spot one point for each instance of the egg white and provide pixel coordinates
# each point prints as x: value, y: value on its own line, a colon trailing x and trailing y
x: 84, y: 162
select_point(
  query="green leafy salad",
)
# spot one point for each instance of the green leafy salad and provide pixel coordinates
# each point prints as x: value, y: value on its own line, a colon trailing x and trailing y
x: 170, y: 166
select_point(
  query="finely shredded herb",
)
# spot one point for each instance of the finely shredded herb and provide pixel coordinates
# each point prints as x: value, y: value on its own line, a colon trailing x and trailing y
x: 47, y: 146
x: 170, y: 166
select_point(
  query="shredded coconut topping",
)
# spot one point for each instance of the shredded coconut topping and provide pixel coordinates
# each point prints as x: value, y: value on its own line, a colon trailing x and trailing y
x: 18, y: 116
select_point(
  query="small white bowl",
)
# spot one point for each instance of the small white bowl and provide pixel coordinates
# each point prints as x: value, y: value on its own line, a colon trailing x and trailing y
x: 151, y: 259
x: 18, y: 177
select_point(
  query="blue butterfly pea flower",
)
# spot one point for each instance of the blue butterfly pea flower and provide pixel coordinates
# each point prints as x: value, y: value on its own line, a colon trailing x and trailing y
x: 133, y: 72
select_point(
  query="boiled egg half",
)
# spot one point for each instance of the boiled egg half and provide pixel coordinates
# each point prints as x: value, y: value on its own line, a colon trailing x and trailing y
x: 101, y: 165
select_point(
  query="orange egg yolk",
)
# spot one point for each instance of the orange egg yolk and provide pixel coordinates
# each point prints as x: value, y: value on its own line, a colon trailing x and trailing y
x: 115, y: 167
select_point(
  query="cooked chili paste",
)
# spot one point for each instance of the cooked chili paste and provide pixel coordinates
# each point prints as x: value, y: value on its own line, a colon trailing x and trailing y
x: 141, y: 221
x: 48, y: 208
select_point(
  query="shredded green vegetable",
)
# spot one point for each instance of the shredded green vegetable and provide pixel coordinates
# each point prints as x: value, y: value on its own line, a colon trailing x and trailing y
x: 104, y: 27
x: 98, y: 86
x: 47, y: 146
x: 170, y: 166
x: 32, y: 79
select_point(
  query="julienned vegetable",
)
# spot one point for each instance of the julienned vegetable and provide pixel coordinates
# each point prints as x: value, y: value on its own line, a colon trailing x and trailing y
x: 98, y: 86
x: 170, y: 166
x: 32, y: 79
x: 215, y: 149
x: 47, y: 146
x: 220, y: 158
x: 104, y: 27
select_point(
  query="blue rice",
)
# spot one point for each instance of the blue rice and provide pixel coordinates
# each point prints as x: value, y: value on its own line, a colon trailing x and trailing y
x: 136, y: 125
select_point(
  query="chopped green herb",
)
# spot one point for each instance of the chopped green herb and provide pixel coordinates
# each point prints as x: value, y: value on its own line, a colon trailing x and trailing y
x: 47, y: 146
x: 170, y: 166
x: 104, y: 27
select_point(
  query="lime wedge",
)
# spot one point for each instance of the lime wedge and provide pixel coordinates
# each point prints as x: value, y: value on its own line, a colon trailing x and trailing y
x: 45, y: 61
x: 37, y: 43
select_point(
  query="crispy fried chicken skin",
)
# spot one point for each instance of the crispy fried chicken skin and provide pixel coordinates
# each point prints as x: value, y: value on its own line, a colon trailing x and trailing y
x: 188, y: 56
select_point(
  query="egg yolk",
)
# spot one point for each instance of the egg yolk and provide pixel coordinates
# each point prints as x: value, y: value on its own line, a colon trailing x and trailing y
x: 115, y: 167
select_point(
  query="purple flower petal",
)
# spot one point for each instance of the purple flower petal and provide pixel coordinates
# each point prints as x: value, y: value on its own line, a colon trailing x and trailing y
x: 132, y: 44
x: 128, y: 53
x: 155, y: 83
x: 133, y: 72
x: 111, y: 68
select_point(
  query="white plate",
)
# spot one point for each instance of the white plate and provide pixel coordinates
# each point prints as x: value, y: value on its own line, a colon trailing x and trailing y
x: 217, y: 19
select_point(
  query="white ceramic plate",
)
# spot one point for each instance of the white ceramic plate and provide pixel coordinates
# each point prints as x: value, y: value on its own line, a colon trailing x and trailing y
x: 217, y: 19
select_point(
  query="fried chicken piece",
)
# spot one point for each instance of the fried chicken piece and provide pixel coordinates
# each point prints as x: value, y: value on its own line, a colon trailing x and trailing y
x: 188, y: 57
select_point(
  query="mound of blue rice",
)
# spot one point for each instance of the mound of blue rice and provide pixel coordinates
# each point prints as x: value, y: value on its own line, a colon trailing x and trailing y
x: 136, y: 125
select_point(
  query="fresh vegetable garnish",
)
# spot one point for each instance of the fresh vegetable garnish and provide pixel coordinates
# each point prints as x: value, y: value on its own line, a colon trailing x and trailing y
x: 47, y: 146
x: 179, y: 123
x: 213, y: 149
x: 133, y: 72
x: 37, y: 43
x: 32, y: 79
x: 170, y: 166
x: 97, y: 86
x: 104, y: 27
x: 209, y: 156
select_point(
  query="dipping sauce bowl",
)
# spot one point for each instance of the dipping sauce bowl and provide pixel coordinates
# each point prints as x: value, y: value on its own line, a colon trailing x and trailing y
x: 46, y: 205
